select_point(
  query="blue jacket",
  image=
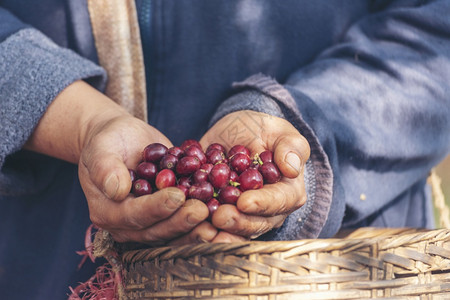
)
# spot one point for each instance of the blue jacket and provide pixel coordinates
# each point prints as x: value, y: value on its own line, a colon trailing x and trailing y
x: 367, y: 82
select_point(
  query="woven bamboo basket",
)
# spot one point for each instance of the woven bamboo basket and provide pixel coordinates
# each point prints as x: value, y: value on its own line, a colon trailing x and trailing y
x: 366, y: 263
x: 369, y: 263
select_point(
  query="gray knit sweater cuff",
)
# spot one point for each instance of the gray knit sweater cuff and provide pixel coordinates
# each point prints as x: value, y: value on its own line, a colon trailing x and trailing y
x: 262, y: 94
x: 34, y: 71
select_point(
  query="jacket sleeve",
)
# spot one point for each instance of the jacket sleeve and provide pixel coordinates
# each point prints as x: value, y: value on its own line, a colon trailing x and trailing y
x: 34, y: 71
x: 375, y: 109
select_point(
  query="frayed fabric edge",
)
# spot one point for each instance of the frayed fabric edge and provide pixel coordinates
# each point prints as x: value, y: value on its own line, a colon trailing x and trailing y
x: 107, y: 282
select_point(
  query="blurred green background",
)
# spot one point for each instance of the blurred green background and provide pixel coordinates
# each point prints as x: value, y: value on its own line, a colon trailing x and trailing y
x: 443, y: 171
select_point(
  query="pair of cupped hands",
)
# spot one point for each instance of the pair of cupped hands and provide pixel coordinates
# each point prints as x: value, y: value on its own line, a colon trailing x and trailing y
x: 113, y: 142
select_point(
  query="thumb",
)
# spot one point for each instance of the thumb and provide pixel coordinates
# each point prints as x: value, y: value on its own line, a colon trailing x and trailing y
x: 291, y: 152
x: 109, y: 173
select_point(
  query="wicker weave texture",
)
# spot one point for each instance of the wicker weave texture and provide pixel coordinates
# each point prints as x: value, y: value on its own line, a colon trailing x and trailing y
x: 372, y: 263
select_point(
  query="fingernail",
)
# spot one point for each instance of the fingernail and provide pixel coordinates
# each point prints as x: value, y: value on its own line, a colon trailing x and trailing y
x: 174, y: 200
x: 202, y: 240
x: 294, y: 161
x: 192, y: 220
x: 111, y: 185
x: 228, y: 224
x: 256, y: 235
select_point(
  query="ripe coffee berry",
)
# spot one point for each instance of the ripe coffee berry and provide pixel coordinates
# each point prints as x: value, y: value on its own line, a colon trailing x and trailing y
x: 168, y: 161
x: 165, y: 178
x: 216, y: 146
x: 201, y: 191
x: 219, y: 175
x: 200, y: 176
x: 270, y: 172
x: 195, y: 151
x: 266, y: 156
x: 154, y: 152
x: 240, y: 162
x: 229, y: 195
x: 141, y: 187
x: 250, y: 179
x: 214, y: 177
x: 215, y: 156
x: 188, y: 165
x: 238, y: 149
x: 147, y: 170
x: 176, y: 151
x: 188, y: 143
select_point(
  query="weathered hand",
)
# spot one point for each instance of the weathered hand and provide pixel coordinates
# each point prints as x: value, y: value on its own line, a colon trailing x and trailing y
x: 258, y: 211
x: 113, y: 144
x: 113, y: 147
x: 84, y: 126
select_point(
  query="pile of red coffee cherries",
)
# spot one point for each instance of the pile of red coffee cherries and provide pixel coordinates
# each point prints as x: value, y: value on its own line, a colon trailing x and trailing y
x: 212, y: 176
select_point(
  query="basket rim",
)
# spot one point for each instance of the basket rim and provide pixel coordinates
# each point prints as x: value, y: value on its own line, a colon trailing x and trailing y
x: 385, y: 238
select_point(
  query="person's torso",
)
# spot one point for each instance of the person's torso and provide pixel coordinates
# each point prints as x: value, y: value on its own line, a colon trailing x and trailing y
x: 195, y: 50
